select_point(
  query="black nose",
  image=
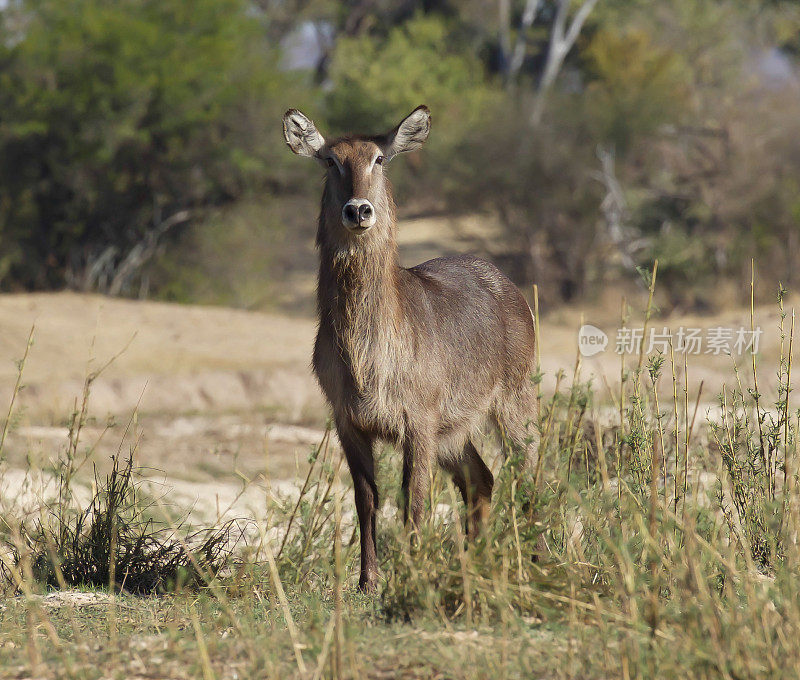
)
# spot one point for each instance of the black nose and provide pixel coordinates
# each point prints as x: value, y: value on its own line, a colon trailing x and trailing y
x: 351, y: 212
x: 364, y: 212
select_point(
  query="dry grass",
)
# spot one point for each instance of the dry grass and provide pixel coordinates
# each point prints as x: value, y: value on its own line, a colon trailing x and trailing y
x: 670, y: 550
x: 189, y: 360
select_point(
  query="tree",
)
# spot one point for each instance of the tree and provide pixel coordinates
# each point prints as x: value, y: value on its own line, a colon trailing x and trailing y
x: 419, y: 61
x: 562, y: 38
x: 119, y: 121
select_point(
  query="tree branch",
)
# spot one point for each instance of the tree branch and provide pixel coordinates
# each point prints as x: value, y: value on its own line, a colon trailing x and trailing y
x: 518, y: 55
x: 143, y: 251
x: 562, y: 40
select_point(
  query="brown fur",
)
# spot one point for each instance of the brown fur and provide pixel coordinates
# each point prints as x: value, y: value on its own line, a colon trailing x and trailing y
x: 419, y: 357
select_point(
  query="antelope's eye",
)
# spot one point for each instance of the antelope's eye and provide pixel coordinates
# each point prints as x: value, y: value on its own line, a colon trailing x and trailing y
x: 379, y: 160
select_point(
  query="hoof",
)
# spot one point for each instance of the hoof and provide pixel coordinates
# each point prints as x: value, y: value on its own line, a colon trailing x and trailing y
x: 368, y: 583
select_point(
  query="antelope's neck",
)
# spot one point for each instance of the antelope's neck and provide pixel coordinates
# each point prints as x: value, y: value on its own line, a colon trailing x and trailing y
x: 361, y: 318
x: 358, y: 287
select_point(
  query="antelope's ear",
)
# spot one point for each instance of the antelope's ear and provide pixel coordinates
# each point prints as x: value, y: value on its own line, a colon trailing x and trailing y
x: 301, y: 134
x: 410, y: 134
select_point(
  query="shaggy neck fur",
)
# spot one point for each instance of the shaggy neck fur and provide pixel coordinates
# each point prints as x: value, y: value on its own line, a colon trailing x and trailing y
x: 358, y: 290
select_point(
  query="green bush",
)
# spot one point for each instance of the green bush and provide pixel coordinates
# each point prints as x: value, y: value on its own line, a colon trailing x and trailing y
x: 116, y: 118
x: 377, y: 80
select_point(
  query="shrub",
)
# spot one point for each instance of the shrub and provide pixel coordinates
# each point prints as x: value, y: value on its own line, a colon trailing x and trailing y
x: 120, y: 121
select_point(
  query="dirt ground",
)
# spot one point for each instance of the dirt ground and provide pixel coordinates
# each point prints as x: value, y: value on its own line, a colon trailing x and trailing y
x: 177, y: 359
x: 224, y: 395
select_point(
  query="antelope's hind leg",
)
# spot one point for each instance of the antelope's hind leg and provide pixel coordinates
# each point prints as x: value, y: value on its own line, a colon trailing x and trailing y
x: 418, y: 451
x: 517, y: 421
x: 475, y: 481
x: 516, y: 418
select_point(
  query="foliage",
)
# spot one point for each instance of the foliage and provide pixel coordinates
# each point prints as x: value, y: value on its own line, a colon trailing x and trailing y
x: 122, y: 122
x: 633, y: 85
x: 226, y: 260
x: 537, y: 181
x: 112, y: 543
x: 375, y: 80
x: 116, y: 116
x: 652, y: 552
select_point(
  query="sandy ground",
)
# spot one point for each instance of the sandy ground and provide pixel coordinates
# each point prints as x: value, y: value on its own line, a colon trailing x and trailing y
x: 173, y: 359
x: 223, y: 395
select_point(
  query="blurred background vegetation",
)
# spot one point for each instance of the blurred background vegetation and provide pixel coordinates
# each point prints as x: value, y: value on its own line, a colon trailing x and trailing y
x: 141, y: 151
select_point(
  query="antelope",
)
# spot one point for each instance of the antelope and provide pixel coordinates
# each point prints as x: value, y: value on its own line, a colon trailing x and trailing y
x: 418, y: 357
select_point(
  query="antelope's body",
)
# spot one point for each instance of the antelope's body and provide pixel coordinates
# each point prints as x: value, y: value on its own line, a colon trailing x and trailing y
x: 420, y: 357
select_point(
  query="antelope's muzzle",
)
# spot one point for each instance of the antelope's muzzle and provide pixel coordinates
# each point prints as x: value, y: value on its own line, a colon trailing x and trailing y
x: 358, y: 215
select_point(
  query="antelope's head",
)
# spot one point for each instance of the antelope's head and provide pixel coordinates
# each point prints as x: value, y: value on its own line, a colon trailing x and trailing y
x: 357, y: 194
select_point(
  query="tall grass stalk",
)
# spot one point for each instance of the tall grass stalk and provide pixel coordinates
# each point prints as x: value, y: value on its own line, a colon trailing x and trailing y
x: 755, y: 392
x: 15, y: 392
x: 640, y: 576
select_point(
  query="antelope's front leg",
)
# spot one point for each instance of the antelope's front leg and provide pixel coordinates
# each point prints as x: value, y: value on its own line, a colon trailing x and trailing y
x: 357, y: 447
x: 418, y: 449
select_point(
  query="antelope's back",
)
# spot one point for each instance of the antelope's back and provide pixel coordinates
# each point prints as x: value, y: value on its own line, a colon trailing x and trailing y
x: 469, y: 310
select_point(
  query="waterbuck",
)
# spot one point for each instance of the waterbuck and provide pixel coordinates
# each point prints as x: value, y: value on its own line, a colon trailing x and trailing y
x: 420, y: 357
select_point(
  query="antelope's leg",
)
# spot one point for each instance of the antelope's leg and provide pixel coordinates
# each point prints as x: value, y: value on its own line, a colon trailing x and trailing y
x: 418, y: 450
x: 475, y: 481
x: 517, y: 418
x: 357, y: 447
